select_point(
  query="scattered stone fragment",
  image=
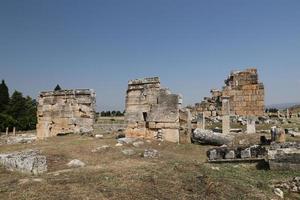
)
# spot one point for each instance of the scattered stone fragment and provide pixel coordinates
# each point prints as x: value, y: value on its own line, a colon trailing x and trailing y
x: 151, y: 153
x: 100, y: 149
x: 246, y: 153
x: 215, y: 168
x: 127, y: 140
x: 279, y: 193
x: 202, y: 136
x: 128, y: 152
x: 99, y: 136
x: 29, y: 161
x: 76, y: 163
x: 138, y: 144
x: 119, y: 145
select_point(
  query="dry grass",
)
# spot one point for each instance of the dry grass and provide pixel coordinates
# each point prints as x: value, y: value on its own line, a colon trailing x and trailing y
x: 180, y: 173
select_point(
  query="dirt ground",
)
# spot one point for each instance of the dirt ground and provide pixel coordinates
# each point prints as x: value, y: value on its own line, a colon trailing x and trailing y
x: 181, y: 172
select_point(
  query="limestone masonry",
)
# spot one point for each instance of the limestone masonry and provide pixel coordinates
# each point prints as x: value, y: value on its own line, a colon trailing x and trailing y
x: 245, y: 93
x: 65, y: 111
x: 154, y: 112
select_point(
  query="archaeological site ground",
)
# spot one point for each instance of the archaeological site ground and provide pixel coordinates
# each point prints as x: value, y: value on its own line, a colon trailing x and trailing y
x: 226, y: 146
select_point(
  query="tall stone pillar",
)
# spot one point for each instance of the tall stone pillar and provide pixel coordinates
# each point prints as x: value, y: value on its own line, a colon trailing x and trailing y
x: 226, y: 115
x: 6, y: 133
x: 251, y: 125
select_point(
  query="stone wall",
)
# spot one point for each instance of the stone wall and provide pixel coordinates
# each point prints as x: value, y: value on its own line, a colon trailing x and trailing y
x: 152, y: 111
x: 65, y: 111
x: 245, y: 92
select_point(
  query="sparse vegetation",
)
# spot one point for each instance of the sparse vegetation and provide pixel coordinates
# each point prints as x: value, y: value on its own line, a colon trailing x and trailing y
x: 16, y: 111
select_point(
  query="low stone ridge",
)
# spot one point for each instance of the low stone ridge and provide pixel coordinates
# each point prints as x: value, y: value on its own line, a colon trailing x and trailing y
x: 284, y: 156
x: 225, y: 153
x: 21, y: 139
x: 29, y: 161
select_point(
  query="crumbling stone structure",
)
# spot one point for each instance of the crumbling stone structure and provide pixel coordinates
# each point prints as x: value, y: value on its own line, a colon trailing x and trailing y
x: 65, y: 111
x: 245, y: 93
x: 154, y: 112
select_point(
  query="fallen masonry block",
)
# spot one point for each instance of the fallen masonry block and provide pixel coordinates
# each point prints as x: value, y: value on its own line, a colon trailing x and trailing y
x: 225, y: 154
x: 284, y: 156
x: 202, y: 136
x: 29, y: 161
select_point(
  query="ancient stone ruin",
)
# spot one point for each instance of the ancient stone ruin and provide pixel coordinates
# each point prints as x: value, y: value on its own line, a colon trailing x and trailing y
x: 245, y: 93
x: 65, y: 111
x: 29, y: 161
x: 155, y: 113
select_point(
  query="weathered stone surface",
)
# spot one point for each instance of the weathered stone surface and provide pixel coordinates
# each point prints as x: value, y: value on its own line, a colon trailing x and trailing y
x: 245, y: 92
x: 21, y: 139
x: 290, y: 185
x: 138, y: 144
x: 65, y: 111
x: 127, y: 140
x: 246, y: 153
x: 153, y: 112
x: 101, y: 149
x: 225, y: 153
x: 76, y: 163
x: 29, y: 161
x: 284, y: 156
x: 151, y: 153
x: 210, y: 137
x: 128, y: 152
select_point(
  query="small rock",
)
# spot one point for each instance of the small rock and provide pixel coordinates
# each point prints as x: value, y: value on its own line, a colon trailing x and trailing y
x: 119, y: 145
x: 138, y: 144
x: 215, y: 168
x: 99, y: 149
x: 246, y: 153
x: 99, y: 136
x: 128, y: 152
x: 279, y: 193
x: 151, y: 153
x: 23, y: 181
x: 127, y: 140
x: 37, y: 180
x: 76, y: 163
x: 230, y: 155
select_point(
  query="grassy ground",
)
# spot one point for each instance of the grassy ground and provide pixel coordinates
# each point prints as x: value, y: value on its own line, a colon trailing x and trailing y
x: 181, y: 172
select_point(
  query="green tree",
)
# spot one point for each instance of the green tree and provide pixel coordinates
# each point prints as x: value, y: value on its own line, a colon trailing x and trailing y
x: 4, y: 96
x: 57, y: 88
x: 23, y: 110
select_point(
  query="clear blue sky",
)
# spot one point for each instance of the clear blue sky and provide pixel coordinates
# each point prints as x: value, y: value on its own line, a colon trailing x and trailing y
x: 191, y: 44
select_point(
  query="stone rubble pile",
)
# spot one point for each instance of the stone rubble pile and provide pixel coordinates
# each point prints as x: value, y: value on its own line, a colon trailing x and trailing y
x: 291, y: 186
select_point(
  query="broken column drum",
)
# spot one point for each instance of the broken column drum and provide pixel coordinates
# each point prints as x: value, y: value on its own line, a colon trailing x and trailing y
x: 151, y: 111
x: 65, y: 111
